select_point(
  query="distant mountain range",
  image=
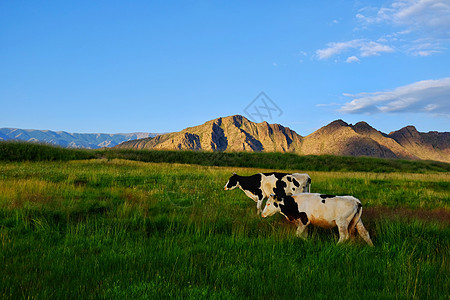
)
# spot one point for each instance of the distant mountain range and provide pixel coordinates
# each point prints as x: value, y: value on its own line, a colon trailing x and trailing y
x: 237, y: 133
x: 72, y: 140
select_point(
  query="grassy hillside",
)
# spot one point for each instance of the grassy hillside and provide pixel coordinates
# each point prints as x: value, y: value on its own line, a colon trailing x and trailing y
x: 120, y: 229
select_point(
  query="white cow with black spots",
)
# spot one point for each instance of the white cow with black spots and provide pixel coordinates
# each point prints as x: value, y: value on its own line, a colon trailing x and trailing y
x: 259, y: 186
x: 321, y: 210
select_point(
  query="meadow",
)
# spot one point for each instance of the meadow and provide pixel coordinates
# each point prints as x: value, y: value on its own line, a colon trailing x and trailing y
x: 116, y: 229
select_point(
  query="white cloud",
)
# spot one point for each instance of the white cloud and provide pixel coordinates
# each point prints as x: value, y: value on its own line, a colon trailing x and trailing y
x: 336, y: 48
x: 413, y: 27
x: 420, y: 19
x: 351, y: 59
x: 428, y: 15
x: 373, y: 48
x: 429, y: 96
x: 363, y: 47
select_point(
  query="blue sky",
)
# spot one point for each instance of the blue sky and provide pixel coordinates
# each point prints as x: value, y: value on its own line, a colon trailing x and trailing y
x: 160, y: 66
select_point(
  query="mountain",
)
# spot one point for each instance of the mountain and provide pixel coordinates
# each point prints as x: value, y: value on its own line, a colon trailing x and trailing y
x: 236, y: 133
x: 72, y: 140
x: 432, y: 145
x: 340, y: 138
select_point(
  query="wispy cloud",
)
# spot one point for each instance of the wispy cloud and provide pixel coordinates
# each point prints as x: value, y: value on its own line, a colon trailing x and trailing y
x: 352, y: 59
x: 425, y: 47
x: 413, y: 27
x: 430, y: 16
x: 363, y: 48
x: 427, y: 96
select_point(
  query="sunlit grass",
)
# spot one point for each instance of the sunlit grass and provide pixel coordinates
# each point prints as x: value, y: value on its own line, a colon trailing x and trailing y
x: 125, y: 229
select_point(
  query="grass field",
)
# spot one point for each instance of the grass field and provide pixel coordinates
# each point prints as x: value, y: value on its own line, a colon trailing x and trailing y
x: 120, y: 229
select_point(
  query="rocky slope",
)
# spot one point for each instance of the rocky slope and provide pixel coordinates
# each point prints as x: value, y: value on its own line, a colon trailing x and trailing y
x: 236, y: 133
x: 432, y: 145
x: 340, y: 138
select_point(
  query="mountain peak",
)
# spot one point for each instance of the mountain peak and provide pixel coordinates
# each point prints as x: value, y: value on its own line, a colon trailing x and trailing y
x: 410, y: 128
x: 364, y: 128
x: 362, y: 124
x: 237, y: 120
x: 338, y: 123
x: 331, y: 127
x: 406, y: 132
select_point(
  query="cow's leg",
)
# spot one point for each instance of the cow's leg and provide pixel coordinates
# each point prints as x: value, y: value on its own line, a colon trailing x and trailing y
x: 302, y: 230
x: 343, y: 230
x: 307, y: 189
x: 363, y: 232
x: 343, y: 234
x: 304, y: 234
x: 258, y: 205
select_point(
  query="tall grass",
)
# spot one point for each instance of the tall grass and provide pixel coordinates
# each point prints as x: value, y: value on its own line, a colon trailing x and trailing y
x: 121, y: 229
x: 280, y: 161
x: 22, y: 151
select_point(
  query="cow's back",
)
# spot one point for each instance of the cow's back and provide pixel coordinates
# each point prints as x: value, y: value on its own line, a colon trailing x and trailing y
x: 326, y: 207
x: 303, y: 180
x: 269, y: 182
x: 284, y: 183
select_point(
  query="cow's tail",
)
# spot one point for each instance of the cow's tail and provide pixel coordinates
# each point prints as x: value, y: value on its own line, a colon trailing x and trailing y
x: 355, y: 219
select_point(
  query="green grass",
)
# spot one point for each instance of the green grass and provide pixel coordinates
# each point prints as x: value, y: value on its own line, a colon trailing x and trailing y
x: 120, y: 229
x: 284, y: 161
x: 20, y: 151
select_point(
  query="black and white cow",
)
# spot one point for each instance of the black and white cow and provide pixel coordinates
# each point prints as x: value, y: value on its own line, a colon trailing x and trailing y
x: 321, y: 210
x: 259, y: 186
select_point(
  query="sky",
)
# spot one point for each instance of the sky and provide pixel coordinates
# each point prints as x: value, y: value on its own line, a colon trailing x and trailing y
x: 162, y: 66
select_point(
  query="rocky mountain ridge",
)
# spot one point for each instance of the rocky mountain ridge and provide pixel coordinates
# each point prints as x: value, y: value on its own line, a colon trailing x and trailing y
x: 71, y: 140
x: 237, y: 133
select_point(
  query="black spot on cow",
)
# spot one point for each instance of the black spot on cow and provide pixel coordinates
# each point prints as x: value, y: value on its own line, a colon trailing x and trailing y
x: 275, y: 204
x: 289, y: 178
x: 296, y: 183
x: 323, y: 200
x: 279, y: 188
x: 276, y: 174
x: 289, y: 208
x: 251, y: 183
x: 324, y: 196
x: 303, y: 218
x: 309, y: 181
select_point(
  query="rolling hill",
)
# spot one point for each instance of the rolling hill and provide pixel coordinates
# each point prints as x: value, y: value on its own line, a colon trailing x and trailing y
x: 237, y: 133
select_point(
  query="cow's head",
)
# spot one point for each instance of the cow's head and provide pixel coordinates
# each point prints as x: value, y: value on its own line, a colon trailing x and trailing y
x: 272, y: 206
x: 232, y: 183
